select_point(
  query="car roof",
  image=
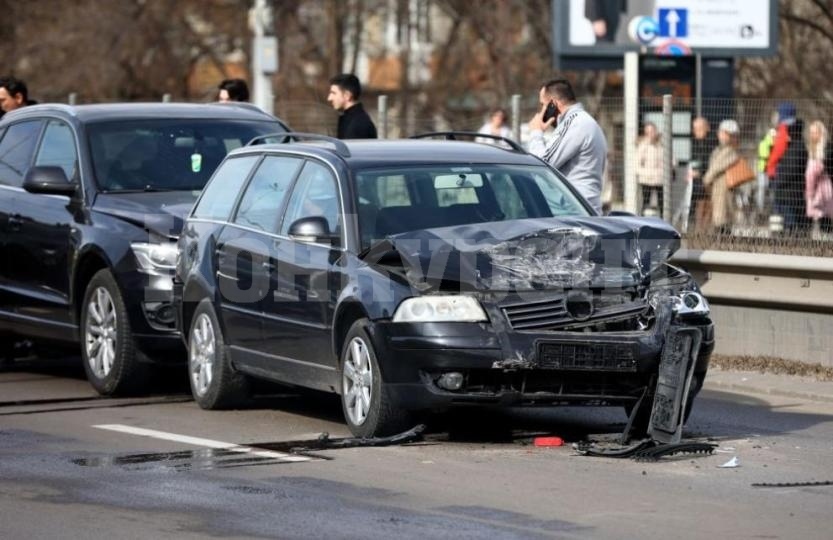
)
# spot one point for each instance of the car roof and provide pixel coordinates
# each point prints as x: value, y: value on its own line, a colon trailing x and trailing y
x: 380, y: 153
x: 122, y: 111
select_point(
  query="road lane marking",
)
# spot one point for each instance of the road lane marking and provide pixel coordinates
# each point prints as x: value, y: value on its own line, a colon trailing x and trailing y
x: 198, y: 441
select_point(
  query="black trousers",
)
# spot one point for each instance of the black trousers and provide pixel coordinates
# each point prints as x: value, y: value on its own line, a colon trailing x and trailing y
x: 646, y: 197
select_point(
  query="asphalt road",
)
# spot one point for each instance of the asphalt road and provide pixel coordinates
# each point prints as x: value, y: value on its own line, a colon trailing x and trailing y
x: 73, y: 465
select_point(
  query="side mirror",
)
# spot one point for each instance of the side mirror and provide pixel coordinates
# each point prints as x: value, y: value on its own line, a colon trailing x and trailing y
x: 620, y: 213
x: 313, y: 230
x: 48, y: 180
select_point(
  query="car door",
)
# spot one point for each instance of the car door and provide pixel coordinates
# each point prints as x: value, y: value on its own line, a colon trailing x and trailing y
x: 42, y: 240
x: 300, y: 307
x: 240, y: 321
x: 17, y: 148
x: 246, y: 262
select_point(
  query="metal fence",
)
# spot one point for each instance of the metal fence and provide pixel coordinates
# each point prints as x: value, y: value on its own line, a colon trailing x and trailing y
x: 784, y: 206
x: 746, y: 174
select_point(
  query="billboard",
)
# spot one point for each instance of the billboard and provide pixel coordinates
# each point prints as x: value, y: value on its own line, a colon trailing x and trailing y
x: 712, y: 28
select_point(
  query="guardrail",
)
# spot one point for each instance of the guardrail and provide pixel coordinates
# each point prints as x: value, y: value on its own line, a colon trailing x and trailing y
x: 762, y: 280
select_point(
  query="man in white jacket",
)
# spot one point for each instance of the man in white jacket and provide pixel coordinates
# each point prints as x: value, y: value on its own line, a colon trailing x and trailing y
x: 578, y: 148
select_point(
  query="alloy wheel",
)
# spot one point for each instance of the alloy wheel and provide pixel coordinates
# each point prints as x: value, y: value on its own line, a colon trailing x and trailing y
x: 357, y: 381
x: 202, y: 354
x: 101, y: 332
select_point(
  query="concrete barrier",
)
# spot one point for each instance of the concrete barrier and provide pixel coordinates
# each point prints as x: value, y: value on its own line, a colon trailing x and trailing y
x: 767, y: 305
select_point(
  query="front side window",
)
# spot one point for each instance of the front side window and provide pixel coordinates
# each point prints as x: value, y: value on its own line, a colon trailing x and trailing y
x: 315, y: 194
x: 262, y: 203
x: 218, y: 198
x: 16, y: 150
x: 57, y: 149
x: 166, y: 154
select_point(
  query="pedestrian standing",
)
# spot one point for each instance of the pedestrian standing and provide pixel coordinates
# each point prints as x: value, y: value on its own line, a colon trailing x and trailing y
x: 818, y: 193
x: 496, y: 125
x: 233, y: 90
x: 722, y: 157
x: 790, y: 181
x: 354, y: 122
x: 702, y: 144
x: 649, y: 169
x: 14, y: 94
x: 578, y: 149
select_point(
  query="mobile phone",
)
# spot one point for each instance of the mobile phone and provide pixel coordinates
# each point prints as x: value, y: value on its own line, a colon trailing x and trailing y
x: 550, y: 112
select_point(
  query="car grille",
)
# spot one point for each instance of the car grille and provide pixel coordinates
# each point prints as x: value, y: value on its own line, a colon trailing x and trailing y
x: 551, y: 314
x: 579, y: 356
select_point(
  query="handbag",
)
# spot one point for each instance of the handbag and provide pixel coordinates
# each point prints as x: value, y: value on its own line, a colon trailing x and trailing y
x: 739, y: 173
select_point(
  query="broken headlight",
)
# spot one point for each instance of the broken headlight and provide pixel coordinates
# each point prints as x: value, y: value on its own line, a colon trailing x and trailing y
x: 678, y: 285
x: 456, y: 308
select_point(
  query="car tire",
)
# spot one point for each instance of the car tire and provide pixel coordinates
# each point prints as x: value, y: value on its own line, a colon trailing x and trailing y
x: 369, y: 407
x: 215, y: 384
x: 108, y: 350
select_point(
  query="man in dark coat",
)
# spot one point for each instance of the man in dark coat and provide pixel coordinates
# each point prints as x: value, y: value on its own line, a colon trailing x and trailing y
x: 790, y: 180
x: 354, y: 122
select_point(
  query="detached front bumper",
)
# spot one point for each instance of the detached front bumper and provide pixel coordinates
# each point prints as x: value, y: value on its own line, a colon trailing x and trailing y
x: 506, y: 367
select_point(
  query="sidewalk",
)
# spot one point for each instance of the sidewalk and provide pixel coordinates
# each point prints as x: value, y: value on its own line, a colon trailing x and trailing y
x: 766, y: 383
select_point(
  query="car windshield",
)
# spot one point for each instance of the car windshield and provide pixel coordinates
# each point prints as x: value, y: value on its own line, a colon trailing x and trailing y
x: 166, y: 154
x: 392, y: 201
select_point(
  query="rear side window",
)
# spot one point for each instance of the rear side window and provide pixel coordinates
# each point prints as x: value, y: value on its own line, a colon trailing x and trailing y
x: 57, y: 149
x: 218, y: 197
x: 16, y: 150
x: 261, y: 204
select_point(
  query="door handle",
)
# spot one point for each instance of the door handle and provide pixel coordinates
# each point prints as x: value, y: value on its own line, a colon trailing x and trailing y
x: 268, y: 265
x: 15, y: 222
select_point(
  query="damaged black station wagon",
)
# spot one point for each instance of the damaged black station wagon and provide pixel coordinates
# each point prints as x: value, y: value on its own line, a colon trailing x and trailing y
x: 415, y: 275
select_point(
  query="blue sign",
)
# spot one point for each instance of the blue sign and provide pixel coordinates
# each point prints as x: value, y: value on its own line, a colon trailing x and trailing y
x: 673, y: 22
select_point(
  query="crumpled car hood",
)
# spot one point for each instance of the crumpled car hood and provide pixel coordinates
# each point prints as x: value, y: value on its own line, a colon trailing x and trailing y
x: 532, y: 254
x: 162, y: 213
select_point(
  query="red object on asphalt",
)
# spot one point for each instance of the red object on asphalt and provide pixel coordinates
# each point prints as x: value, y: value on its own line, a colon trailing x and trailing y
x: 548, y: 441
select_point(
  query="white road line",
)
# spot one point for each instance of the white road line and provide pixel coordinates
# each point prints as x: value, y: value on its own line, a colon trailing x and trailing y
x: 198, y: 441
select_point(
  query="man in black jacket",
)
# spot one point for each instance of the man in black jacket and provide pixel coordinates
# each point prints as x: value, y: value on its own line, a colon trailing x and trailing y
x: 354, y: 122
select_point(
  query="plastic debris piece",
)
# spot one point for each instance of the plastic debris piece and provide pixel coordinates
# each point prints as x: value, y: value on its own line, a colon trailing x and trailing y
x: 548, y: 441
x: 731, y: 464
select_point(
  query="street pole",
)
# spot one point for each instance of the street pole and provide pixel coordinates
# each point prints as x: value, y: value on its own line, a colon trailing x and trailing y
x: 264, y: 54
x: 667, y: 155
x: 631, y: 129
x: 516, y: 117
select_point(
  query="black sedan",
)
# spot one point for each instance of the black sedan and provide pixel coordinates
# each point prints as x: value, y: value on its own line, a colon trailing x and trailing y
x: 412, y: 276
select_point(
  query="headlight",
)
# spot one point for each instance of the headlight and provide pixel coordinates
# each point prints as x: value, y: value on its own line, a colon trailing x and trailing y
x: 155, y: 257
x: 440, y: 309
x: 690, y: 303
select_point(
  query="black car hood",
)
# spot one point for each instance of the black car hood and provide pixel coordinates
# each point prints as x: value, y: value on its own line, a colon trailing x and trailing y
x: 531, y: 254
x: 162, y: 213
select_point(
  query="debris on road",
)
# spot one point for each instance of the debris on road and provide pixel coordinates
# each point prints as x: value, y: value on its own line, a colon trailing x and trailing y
x: 548, y: 441
x: 646, y: 450
x: 731, y: 464
x: 793, y: 484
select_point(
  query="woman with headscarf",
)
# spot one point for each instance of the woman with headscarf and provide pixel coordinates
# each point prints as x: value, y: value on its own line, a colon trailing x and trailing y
x: 722, y: 157
x: 818, y: 192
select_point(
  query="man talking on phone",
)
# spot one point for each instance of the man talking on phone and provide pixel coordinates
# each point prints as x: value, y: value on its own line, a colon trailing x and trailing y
x: 578, y: 148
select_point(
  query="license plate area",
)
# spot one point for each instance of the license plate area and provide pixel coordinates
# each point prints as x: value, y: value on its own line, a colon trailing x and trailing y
x: 573, y: 355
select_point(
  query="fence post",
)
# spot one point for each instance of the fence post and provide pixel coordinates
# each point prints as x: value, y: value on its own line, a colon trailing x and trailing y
x: 667, y: 155
x: 166, y: 98
x: 383, y: 116
x: 72, y: 99
x: 516, y: 117
x: 631, y: 129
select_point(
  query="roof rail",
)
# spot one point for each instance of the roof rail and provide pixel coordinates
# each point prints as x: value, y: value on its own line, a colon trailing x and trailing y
x: 339, y: 145
x: 452, y: 136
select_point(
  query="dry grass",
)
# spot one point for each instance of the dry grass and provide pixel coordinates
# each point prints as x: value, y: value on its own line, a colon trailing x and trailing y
x: 767, y: 364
